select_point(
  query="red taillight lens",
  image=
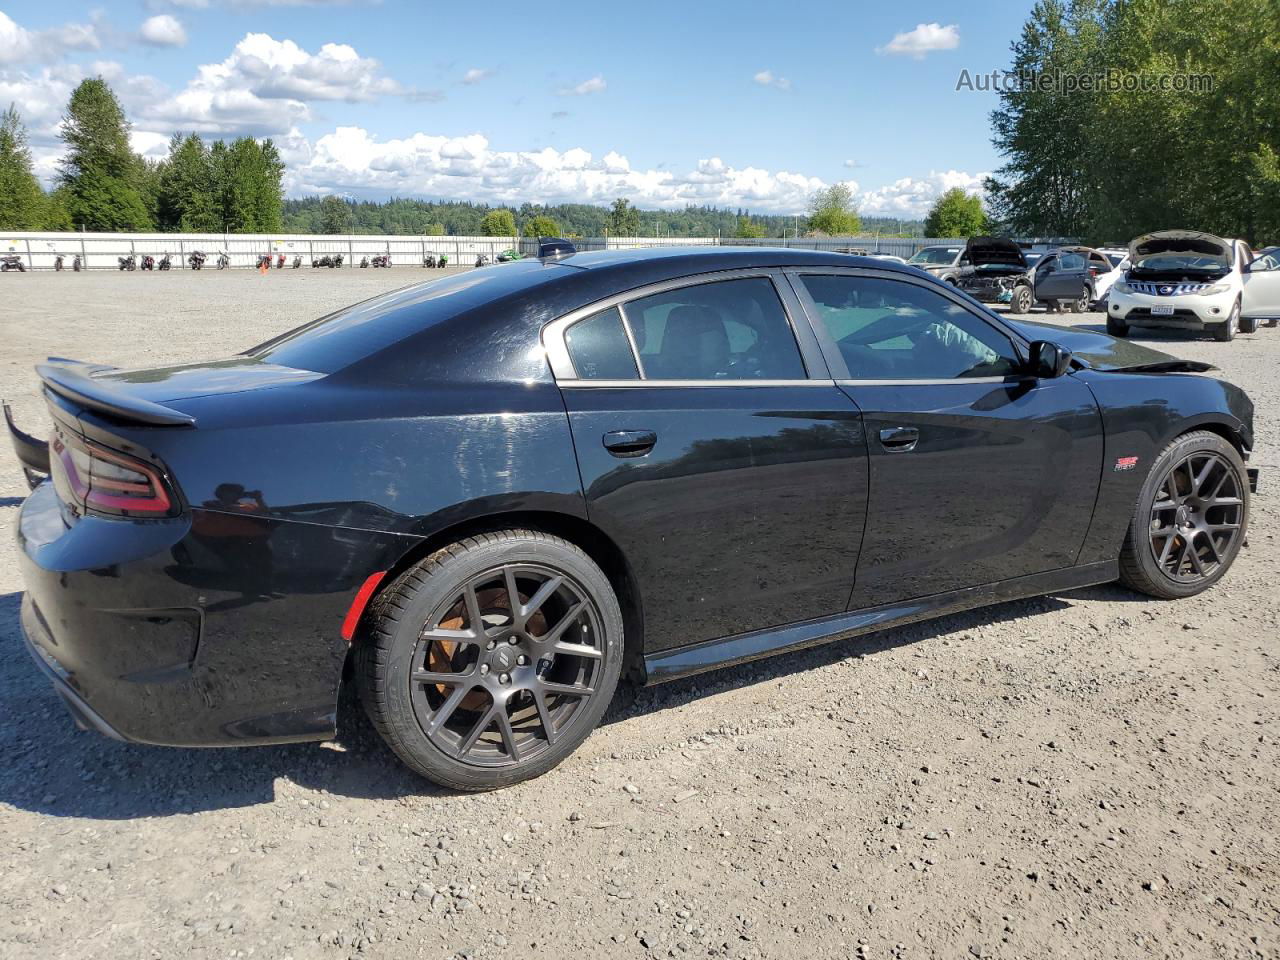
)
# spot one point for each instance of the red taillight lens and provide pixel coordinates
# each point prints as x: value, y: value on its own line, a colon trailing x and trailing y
x: 107, y: 481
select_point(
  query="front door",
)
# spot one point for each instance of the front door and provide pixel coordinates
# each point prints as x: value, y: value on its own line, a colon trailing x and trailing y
x: 1261, y: 297
x: 718, y: 455
x: 977, y: 473
x: 1060, y: 277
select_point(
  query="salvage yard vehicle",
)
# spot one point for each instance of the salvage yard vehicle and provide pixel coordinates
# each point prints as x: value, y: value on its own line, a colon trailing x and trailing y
x: 1187, y: 280
x: 995, y: 270
x: 486, y: 498
x: 943, y: 262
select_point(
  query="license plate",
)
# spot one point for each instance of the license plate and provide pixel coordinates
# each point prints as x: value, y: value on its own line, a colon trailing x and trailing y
x: 1162, y: 310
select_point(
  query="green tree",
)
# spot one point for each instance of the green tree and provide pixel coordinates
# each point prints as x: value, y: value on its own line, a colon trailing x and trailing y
x: 335, y: 215
x: 541, y: 226
x: 748, y: 228
x: 832, y: 211
x: 188, y: 200
x: 99, y: 169
x: 498, y: 223
x: 57, y: 215
x: 624, y: 219
x: 22, y: 202
x: 956, y: 214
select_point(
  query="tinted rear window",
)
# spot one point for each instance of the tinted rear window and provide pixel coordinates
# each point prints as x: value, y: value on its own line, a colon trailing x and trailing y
x: 361, y: 330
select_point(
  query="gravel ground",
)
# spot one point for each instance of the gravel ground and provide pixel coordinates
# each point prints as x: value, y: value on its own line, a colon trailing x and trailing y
x: 1091, y: 774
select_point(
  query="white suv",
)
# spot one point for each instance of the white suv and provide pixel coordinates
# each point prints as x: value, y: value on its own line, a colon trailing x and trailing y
x: 1185, y: 280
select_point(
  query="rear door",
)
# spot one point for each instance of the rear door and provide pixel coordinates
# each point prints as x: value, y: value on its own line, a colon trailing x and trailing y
x: 1262, y: 287
x: 977, y: 473
x: 716, y: 451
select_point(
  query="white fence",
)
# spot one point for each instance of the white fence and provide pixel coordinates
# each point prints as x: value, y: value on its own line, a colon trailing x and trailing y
x: 101, y: 251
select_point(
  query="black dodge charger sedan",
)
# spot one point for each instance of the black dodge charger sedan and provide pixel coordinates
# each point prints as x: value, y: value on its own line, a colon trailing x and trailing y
x: 485, y: 498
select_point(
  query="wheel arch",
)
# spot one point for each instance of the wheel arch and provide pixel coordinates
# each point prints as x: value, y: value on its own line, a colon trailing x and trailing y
x: 589, y: 538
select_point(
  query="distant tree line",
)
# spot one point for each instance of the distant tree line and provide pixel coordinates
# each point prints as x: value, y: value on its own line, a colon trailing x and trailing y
x: 1137, y: 153
x: 220, y: 186
x: 103, y: 185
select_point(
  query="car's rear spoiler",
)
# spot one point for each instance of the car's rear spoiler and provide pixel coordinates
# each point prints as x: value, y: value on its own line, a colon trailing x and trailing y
x: 72, y: 379
x: 33, y: 453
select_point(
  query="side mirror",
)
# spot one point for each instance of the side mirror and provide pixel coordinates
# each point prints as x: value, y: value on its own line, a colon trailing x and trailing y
x: 1048, y: 360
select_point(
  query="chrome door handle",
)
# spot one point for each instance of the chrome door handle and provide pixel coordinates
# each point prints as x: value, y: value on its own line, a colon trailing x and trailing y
x: 899, y: 439
x: 629, y: 443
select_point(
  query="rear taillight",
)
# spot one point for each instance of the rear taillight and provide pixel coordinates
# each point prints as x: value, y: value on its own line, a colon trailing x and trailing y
x: 107, y: 481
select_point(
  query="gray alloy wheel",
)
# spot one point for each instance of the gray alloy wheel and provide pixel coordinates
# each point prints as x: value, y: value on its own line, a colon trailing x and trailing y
x: 1021, y: 300
x: 1081, y: 305
x: 1190, y: 520
x: 489, y: 662
x: 1226, y: 331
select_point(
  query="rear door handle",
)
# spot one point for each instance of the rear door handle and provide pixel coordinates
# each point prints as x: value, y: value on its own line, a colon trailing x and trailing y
x: 899, y: 439
x: 629, y: 443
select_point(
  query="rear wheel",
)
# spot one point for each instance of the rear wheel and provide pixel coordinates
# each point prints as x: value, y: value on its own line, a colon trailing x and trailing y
x: 1248, y: 324
x: 1190, y: 519
x: 490, y: 661
x: 1081, y: 305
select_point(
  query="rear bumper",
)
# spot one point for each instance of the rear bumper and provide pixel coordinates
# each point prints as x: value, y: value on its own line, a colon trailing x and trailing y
x: 174, y: 632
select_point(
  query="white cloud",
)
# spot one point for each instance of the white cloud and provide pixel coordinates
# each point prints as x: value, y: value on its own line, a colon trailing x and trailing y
x: 475, y: 75
x: 264, y: 87
x: 595, y: 85
x: 852, y: 164
x: 163, y: 30
x: 766, y: 78
x: 924, y: 39
x: 351, y: 160
x: 911, y: 197
x: 20, y: 45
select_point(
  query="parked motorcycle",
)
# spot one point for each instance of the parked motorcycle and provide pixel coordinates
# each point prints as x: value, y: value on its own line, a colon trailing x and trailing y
x: 12, y: 261
x: 483, y: 260
x: 364, y: 262
x: 57, y: 263
x: 337, y: 260
x: 443, y: 261
x: 322, y: 261
x: 75, y: 263
x: 196, y: 260
x: 280, y: 262
x: 127, y: 263
x: 165, y: 263
x: 429, y: 261
x: 224, y: 260
x: 297, y: 262
x: 382, y: 260
x: 264, y: 261
x: 148, y: 262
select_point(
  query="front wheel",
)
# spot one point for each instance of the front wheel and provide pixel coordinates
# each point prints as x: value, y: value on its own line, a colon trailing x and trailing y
x: 1021, y: 300
x: 1226, y: 331
x: 1116, y: 327
x: 1190, y: 520
x: 489, y: 662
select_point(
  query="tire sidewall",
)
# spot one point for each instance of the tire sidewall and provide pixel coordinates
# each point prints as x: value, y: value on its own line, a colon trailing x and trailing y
x: 1021, y: 302
x: 444, y: 580
x: 1176, y: 452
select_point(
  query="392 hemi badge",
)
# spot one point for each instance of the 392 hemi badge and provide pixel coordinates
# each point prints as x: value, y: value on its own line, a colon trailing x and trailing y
x: 1126, y: 463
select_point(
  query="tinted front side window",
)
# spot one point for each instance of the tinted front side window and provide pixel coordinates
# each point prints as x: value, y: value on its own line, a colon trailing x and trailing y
x: 599, y: 348
x: 889, y: 330
x: 725, y: 330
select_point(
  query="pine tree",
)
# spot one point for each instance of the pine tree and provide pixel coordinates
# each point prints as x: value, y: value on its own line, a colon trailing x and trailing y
x: 99, y: 170
x: 22, y: 202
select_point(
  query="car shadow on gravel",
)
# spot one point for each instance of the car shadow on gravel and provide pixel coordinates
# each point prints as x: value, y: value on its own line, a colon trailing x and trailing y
x: 53, y: 769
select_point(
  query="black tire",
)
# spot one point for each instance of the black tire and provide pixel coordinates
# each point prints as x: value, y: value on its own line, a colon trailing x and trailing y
x: 1082, y: 304
x: 1225, y: 332
x: 1248, y: 324
x: 1021, y: 299
x: 1116, y: 327
x: 1178, y: 464
x: 524, y: 725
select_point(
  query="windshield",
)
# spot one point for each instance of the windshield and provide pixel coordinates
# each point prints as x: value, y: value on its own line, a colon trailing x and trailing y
x: 1116, y: 258
x: 936, y: 255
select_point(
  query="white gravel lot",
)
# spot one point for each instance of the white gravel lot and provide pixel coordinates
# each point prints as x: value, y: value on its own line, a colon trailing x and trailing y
x: 1092, y: 774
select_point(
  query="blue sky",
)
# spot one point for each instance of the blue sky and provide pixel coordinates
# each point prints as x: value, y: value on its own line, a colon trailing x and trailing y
x: 725, y: 103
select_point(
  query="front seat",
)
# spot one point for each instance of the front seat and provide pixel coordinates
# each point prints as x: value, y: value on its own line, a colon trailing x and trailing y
x: 695, y: 345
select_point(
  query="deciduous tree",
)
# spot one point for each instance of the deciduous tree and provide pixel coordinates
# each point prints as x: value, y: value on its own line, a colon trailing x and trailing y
x: 832, y: 211
x: 956, y: 214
